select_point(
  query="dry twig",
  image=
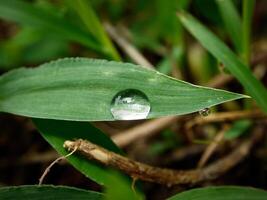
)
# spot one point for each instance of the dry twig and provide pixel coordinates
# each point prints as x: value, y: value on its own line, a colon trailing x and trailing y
x: 211, y: 148
x: 143, y: 130
x: 225, y: 116
x: 164, y: 176
x: 129, y: 49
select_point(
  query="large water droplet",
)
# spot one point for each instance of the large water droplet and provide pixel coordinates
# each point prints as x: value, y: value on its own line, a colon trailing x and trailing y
x: 204, y: 112
x: 130, y: 104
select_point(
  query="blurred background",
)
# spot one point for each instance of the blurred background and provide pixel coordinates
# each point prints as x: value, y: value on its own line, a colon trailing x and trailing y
x: 147, y: 33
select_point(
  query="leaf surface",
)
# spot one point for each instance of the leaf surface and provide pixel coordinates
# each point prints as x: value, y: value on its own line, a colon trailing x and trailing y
x: 80, y: 89
x: 47, y: 192
x: 222, y: 193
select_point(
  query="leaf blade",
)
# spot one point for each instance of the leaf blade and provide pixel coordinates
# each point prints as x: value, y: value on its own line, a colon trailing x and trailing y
x: 232, y: 21
x: 86, y: 13
x: 82, y: 90
x: 218, y: 49
x: 222, y: 193
x: 47, y: 192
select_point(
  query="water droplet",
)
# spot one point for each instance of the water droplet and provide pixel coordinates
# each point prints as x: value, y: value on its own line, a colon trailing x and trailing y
x: 204, y: 112
x: 130, y: 104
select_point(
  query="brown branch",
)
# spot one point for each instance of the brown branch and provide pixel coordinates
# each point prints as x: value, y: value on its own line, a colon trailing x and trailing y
x: 164, y: 176
x: 211, y: 148
x: 129, y: 49
x: 225, y: 116
x: 143, y: 130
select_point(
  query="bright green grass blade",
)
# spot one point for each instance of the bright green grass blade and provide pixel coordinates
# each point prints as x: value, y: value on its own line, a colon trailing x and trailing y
x: 85, y: 11
x: 217, y: 48
x: 81, y: 89
x: 28, y: 14
x: 232, y: 21
x: 47, y: 192
x: 222, y: 193
x: 56, y: 132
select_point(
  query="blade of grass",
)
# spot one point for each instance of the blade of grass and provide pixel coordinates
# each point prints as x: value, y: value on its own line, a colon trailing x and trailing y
x: 232, y: 22
x: 83, y: 89
x: 222, y: 193
x: 27, y: 192
x: 28, y: 14
x: 85, y: 11
x: 218, y: 49
x: 248, y: 7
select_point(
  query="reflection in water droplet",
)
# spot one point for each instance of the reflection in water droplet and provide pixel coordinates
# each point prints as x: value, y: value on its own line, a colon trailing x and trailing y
x: 130, y: 104
x: 204, y: 112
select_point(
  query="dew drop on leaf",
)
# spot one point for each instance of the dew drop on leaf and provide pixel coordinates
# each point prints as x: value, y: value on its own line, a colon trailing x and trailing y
x: 204, y: 112
x: 130, y: 104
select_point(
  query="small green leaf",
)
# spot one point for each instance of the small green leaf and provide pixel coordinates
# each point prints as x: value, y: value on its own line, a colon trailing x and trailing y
x: 83, y: 90
x: 219, y: 50
x: 57, y: 132
x: 47, y: 192
x: 222, y: 193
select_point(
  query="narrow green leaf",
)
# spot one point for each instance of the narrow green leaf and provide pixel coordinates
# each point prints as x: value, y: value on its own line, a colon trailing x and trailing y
x: 28, y: 14
x: 85, y: 11
x: 248, y: 8
x: 218, y: 49
x: 44, y: 192
x: 83, y: 90
x: 57, y: 132
x: 232, y: 21
x: 222, y: 193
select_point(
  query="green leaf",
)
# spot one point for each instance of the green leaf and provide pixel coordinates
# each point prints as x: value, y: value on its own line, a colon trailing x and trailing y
x: 57, y: 132
x: 218, y: 49
x: 83, y: 89
x: 232, y: 21
x: 28, y: 14
x: 248, y: 8
x: 47, y: 192
x: 85, y: 11
x: 121, y: 189
x: 222, y: 193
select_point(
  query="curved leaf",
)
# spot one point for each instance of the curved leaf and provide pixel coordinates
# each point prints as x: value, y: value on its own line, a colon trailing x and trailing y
x: 47, y: 192
x: 83, y: 89
x: 56, y: 132
x: 222, y: 193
